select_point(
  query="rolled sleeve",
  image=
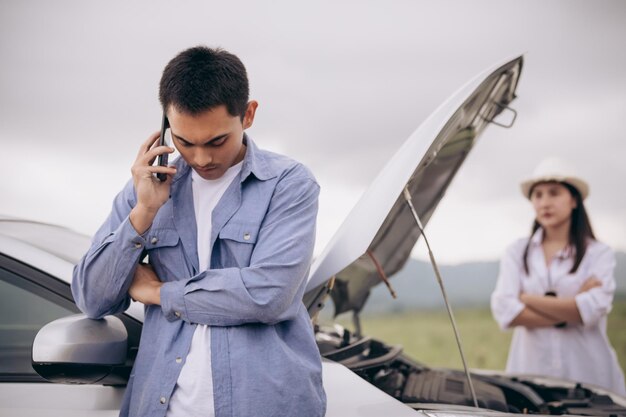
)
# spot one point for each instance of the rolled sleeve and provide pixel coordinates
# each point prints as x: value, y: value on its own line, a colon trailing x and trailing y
x: 505, y: 310
x: 505, y: 302
x: 102, y: 277
x: 173, y: 301
x: 596, y: 303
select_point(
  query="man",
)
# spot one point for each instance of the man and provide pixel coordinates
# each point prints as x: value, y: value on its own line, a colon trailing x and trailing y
x: 229, y: 236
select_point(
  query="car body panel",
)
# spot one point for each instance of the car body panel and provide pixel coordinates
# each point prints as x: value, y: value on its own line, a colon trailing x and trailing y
x: 349, y: 395
x: 36, y: 399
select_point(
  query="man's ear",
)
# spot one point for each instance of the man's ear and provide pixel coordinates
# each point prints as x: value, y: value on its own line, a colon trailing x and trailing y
x: 248, y: 117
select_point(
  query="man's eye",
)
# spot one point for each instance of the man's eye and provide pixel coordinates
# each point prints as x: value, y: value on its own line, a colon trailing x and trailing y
x: 219, y: 142
x: 181, y: 142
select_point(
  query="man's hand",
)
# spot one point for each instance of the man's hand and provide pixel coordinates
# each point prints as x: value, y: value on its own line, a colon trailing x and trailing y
x: 151, y: 193
x: 146, y: 286
x: 591, y: 282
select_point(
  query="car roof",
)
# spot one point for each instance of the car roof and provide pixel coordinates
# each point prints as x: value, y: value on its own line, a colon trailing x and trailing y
x: 41, y: 246
x: 59, y: 241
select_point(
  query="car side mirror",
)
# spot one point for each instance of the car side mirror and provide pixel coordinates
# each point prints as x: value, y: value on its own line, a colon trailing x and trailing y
x: 79, y: 350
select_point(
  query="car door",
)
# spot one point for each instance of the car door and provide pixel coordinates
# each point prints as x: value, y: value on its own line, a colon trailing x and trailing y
x: 30, y: 299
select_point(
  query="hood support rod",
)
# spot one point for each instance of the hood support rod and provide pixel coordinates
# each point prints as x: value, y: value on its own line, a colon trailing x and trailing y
x: 409, y: 200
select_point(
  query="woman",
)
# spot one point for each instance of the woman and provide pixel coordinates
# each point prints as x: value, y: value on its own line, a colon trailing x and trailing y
x: 556, y: 287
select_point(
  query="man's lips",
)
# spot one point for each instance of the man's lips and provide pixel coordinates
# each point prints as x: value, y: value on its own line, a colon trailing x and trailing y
x: 207, y: 169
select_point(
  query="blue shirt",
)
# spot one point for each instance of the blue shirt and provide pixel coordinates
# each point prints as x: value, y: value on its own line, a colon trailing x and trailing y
x: 264, y: 356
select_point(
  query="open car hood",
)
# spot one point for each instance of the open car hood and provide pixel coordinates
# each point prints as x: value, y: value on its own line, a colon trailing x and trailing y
x: 381, y: 228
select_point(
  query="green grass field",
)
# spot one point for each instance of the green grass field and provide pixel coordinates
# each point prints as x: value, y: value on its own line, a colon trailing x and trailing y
x: 427, y: 335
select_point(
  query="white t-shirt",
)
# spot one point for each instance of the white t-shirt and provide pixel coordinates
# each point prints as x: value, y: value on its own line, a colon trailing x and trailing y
x: 193, y: 394
x: 579, y: 352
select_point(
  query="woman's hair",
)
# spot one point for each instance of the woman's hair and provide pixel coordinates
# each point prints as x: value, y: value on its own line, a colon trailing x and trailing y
x: 579, y: 232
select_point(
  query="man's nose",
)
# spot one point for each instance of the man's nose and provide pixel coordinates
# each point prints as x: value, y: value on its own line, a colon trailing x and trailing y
x: 202, y: 158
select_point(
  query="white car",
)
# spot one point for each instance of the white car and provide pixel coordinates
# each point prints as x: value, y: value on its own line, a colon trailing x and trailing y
x: 43, y: 336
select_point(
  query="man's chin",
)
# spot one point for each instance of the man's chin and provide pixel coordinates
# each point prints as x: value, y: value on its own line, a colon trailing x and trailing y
x: 210, y: 174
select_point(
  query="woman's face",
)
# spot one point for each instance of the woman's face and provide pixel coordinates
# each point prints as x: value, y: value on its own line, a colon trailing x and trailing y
x: 553, y: 204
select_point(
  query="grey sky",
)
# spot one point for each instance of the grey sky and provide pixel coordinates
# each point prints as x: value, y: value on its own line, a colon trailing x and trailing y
x: 340, y: 84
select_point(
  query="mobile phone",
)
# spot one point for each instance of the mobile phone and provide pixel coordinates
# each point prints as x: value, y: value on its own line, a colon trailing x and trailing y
x: 162, y: 159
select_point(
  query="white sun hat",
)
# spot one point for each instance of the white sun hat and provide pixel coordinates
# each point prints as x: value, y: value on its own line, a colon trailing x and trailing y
x: 555, y: 169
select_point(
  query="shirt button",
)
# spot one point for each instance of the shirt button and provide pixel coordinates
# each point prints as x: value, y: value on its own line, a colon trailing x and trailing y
x: 137, y: 245
x: 177, y: 314
x: 246, y: 236
x: 162, y: 400
x: 154, y: 240
x: 179, y: 360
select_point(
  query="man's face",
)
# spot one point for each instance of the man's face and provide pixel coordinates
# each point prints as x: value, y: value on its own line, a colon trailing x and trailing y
x: 211, y: 141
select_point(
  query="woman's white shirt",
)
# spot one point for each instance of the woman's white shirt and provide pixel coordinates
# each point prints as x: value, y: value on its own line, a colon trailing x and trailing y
x: 577, y: 352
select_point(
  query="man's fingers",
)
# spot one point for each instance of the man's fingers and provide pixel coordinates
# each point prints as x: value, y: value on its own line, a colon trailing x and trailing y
x: 149, y: 157
x: 143, y: 274
x: 161, y: 170
x: 144, y: 172
x: 145, y: 147
x: 158, y: 150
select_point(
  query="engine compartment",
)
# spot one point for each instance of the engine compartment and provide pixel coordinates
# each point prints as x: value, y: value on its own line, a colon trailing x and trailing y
x: 421, y: 387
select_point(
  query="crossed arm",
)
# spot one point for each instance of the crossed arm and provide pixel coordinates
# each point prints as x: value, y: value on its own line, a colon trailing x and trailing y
x: 545, y: 311
x: 512, y: 306
x: 146, y: 286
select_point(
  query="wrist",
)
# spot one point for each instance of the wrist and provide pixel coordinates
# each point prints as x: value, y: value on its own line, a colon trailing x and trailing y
x: 157, y: 293
x: 141, y: 218
x: 146, y: 210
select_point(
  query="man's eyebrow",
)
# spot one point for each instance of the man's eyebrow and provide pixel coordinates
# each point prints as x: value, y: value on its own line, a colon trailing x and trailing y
x: 208, y: 142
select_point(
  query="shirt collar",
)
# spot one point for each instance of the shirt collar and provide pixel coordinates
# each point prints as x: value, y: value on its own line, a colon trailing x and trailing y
x: 254, y: 162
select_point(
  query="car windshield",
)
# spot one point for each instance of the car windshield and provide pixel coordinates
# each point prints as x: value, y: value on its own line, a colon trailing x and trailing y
x: 59, y: 241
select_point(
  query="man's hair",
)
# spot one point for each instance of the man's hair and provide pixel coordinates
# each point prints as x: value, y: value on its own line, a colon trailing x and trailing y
x: 201, y: 78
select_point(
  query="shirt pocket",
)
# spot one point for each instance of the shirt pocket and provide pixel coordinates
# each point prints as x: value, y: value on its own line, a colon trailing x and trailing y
x: 235, y: 244
x: 165, y: 253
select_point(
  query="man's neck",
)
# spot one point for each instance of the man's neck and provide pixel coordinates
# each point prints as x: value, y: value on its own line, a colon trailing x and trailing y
x: 240, y: 155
